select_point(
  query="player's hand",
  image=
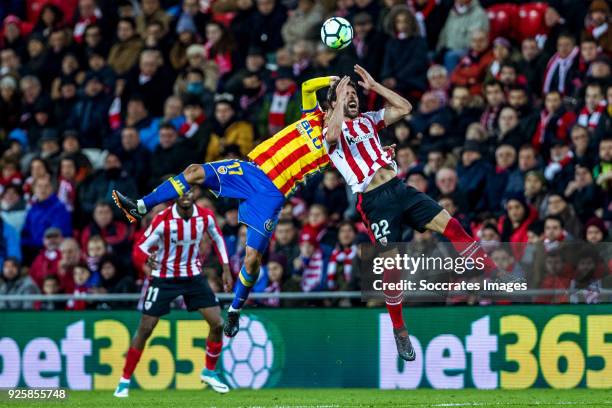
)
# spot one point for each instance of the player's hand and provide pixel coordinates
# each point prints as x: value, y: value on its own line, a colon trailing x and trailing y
x: 390, y: 150
x: 228, y: 280
x: 367, y: 82
x: 152, y: 260
x: 341, y: 91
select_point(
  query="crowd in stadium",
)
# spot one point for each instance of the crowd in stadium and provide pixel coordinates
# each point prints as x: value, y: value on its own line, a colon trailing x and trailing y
x: 510, y: 131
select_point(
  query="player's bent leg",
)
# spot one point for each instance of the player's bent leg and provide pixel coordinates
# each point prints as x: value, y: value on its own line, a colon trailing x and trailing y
x: 214, y: 345
x: 246, y: 279
x: 463, y: 243
x: 145, y: 329
x: 169, y: 190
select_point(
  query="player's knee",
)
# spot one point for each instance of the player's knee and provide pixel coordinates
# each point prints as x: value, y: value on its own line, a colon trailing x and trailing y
x: 216, y: 325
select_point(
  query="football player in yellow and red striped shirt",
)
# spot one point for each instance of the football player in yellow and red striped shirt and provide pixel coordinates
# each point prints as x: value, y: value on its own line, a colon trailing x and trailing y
x: 278, y: 165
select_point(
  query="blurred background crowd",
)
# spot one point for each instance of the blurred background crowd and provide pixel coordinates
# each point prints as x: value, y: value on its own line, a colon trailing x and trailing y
x: 511, y: 130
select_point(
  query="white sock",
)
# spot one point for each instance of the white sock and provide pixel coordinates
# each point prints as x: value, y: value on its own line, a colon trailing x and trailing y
x: 125, y: 380
x: 142, y: 208
x: 231, y: 309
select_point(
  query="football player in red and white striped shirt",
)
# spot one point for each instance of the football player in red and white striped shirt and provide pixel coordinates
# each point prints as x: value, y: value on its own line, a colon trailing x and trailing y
x: 384, y: 201
x: 172, y: 245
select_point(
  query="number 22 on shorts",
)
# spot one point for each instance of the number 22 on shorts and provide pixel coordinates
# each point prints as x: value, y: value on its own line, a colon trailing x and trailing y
x: 380, y: 229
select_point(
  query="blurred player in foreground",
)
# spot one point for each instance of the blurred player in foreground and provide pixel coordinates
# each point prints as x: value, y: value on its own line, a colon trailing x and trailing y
x: 278, y: 165
x: 384, y: 202
x: 172, y: 244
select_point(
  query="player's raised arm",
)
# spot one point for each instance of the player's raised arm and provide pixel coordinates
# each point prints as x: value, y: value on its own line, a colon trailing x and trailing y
x: 310, y: 88
x: 336, y: 118
x: 396, y: 107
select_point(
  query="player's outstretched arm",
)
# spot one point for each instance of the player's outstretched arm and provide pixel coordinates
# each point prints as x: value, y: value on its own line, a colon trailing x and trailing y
x: 310, y: 88
x: 336, y: 118
x: 397, y: 106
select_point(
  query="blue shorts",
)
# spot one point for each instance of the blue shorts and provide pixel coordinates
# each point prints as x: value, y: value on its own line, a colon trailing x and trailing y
x: 260, y: 200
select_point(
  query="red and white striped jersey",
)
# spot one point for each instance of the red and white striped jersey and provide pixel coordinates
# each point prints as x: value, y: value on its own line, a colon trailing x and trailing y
x: 358, y: 154
x: 178, y: 241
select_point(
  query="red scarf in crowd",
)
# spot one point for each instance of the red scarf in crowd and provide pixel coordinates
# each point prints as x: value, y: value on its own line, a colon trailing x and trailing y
x: 83, y: 23
x: 344, y: 257
x: 562, y: 65
x: 189, y: 129
x: 589, y: 118
x: 278, y: 107
x: 564, y: 122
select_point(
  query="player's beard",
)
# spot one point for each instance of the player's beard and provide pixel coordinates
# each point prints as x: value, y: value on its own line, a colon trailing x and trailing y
x: 351, y: 113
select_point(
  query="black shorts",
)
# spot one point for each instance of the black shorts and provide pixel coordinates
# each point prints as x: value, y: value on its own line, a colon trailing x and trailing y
x: 161, y: 292
x: 389, y: 207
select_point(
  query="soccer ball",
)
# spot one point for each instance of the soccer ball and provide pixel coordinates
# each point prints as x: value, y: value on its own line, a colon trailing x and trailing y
x: 336, y: 33
x: 248, y: 358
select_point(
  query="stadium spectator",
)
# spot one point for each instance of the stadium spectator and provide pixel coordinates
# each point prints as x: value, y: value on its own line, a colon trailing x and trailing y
x: 597, y: 25
x: 535, y: 190
x: 276, y: 267
x: 310, y: 264
x: 95, y: 249
x: 51, y: 286
x: 514, y: 223
x: 112, y: 281
x: 228, y: 127
x: 495, y: 98
x: 339, y: 267
x: 594, y: 107
x: 497, y: 180
x: 404, y: 67
x: 266, y: 23
x: 13, y: 283
x: 303, y: 22
x: 124, y: 53
x: 583, y: 194
x: 285, y: 243
x: 281, y: 106
x: 47, y: 261
x: 557, y: 206
x: 472, y: 171
x: 47, y: 211
x: 368, y: 46
x: 447, y: 183
x: 562, y: 68
x: 80, y: 275
x: 555, y: 122
x: 135, y: 158
x: 595, y: 231
x: 169, y: 156
x: 98, y: 186
x: 115, y: 233
x: 465, y: 17
x: 531, y: 64
x: 151, y: 81
x: 13, y: 208
x: 527, y: 161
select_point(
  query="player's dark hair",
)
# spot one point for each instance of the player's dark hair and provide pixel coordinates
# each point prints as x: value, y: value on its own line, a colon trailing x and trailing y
x: 331, y: 93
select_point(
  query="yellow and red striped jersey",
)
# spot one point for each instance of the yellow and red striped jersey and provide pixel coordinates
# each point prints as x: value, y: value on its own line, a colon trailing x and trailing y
x: 297, y: 151
x: 294, y: 153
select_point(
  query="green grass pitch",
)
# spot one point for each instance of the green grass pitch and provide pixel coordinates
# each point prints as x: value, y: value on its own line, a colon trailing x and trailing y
x: 332, y: 398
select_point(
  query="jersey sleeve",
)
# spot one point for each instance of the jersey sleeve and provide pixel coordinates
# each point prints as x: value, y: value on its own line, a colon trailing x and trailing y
x: 213, y: 230
x: 309, y: 93
x: 377, y: 117
x: 151, y: 237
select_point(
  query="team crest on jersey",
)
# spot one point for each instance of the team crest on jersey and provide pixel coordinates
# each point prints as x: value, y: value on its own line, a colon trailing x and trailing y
x: 269, y: 225
x: 383, y: 241
x: 147, y: 305
x: 222, y: 170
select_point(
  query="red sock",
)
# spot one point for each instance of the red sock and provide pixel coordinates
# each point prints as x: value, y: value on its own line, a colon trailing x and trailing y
x: 395, y: 313
x: 131, y: 361
x: 213, y: 351
x: 466, y: 245
x: 394, y: 298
